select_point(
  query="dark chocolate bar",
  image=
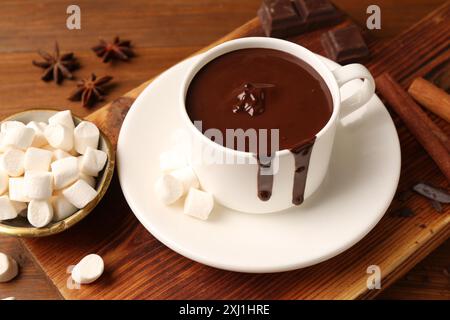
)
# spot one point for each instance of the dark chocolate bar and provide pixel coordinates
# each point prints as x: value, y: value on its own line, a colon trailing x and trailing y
x: 285, y: 18
x: 345, y: 44
x: 317, y: 13
x: 279, y: 18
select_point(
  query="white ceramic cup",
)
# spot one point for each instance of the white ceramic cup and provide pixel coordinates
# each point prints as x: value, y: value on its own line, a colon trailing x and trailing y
x: 235, y: 185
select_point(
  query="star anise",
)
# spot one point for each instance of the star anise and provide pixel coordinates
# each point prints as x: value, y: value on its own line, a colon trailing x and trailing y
x: 118, y: 49
x: 58, y: 66
x: 90, y: 90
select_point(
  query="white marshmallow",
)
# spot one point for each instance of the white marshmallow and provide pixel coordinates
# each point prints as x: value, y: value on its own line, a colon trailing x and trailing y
x: 59, y: 154
x: 172, y: 159
x: 65, y: 172
x: 17, y: 190
x: 21, y: 208
x: 80, y: 194
x: 89, y: 269
x: 4, y: 182
x: 93, y: 161
x: 39, y: 133
x: 7, y: 125
x: 90, y: 180
x: 2, y: 146
x: 9, y: 298
x: 19, y: 137
x: 198, y: 204
x: 63, y: 118
x: 168, y: 189
x: 187, y: 177
x: 40, y: 213
x: 86, y: 134
x: 37, y: 159
x: 8, y: 268
x: 62, y: 208
x: 7, y: 209
x: 38, y: 185
x: 59, y: 137
x: 12, y: 162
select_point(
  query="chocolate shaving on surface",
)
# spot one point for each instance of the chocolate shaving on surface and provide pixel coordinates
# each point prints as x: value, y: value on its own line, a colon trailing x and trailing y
x: 403, y: 212
x: 432, y: 193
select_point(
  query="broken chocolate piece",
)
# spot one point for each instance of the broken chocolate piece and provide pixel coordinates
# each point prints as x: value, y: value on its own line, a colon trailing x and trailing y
x: 345, y: 45
x: 279, y: 18
x: 317, y: 13
x: 432, y: 193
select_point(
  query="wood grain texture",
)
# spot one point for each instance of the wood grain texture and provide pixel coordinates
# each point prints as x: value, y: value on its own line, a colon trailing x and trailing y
x: 140, y: 267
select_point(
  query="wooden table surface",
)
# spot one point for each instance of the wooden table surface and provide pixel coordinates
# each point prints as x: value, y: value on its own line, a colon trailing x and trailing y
x: 163, y: 32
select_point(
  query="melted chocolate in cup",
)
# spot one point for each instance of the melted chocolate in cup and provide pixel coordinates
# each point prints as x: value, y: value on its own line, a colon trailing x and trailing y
x: 263, y: 89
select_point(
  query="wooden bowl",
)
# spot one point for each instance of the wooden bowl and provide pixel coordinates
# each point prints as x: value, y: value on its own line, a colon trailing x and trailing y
x: 20, y: 226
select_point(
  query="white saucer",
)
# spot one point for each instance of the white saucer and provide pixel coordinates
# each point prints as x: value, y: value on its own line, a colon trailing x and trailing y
x: 362, y: 179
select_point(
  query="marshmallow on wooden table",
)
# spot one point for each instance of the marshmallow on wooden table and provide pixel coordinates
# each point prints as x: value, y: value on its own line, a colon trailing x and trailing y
x: 187, y: 177
x: 86, y: 134
x: 80, y: 194
x: 65, y: 172
x: 8, y: 268
x: 198, y: 204
x: 40, y: 213
x: 172, y: 159
x: 62, y: 208
x: 59, y: 136
x: 93, y: 161
x: 4, y: 182
x: 18, y: 137
x: 7, y: 209
x: 7, y: 125
x: 9, y: 298
x: 168, y: 189
x: 12, y: 162
x: 17, y: 190
x: 63, y: 118
x: 37, y: 159
x: 38, y: 185
x: 59, y: 154
x: 39, y: 133
x: 89, y: 269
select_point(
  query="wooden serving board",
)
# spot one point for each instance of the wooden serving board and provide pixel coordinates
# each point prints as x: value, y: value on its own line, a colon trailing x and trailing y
x: 139, y: 267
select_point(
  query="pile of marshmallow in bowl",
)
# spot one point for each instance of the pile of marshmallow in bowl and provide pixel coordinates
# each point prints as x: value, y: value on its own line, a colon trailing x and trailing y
x: 178, y: 180
x: 48, y: 170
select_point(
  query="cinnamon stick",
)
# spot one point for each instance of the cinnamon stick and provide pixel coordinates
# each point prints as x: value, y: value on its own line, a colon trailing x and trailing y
x: 431, y: 97
x: 413, y: 117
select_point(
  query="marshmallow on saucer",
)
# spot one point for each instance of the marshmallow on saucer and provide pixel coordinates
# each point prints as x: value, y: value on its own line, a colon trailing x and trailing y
x: 63, y: 118
x: 7, y: 125
x: 40, y: 213
x: 17, y: 190
x: 21, y: 208
x: 8, y: 268
x: 59, y: 136
x: 65, y: 172
x: 7, y: 209
x: 88, y: 179
x: 80, y: 194
x: 59, y: 154
x: 89, y: 269
x: 18, y: 137
x: 39, y: 133
x: 12, y: 162
x: 86, y: 134
x: 93, y: 161
x: 172, y: 159
x: 62, y: 208
x: 38, y: 185
x: 187, y: 177
x: 4, y: 182
x: 37, y: 159
x: 168, y: 189
x: 198, y: 204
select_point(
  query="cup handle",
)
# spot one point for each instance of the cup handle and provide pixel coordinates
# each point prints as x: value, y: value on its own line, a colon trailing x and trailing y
x: 363, y: 95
